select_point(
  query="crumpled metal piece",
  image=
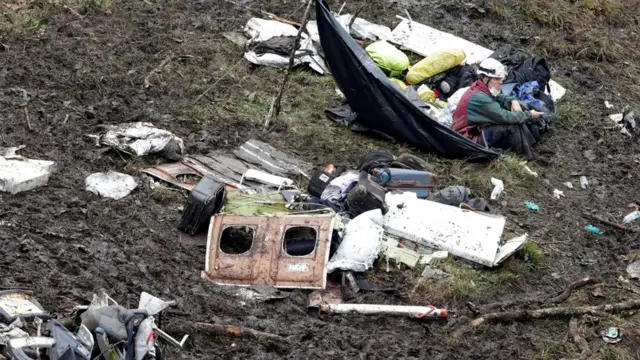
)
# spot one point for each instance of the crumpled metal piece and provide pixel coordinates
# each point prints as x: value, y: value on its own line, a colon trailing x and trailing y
x: 142, y: 139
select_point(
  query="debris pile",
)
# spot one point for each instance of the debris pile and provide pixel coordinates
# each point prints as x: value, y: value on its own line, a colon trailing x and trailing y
x: 19, y: 174
x: 263, y: 229
x: 103, y: 330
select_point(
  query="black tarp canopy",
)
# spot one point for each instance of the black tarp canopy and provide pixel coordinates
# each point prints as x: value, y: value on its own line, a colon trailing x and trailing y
x: 379, y: 105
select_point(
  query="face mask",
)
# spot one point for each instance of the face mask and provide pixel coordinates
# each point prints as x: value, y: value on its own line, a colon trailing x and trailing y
x: 494, y: 91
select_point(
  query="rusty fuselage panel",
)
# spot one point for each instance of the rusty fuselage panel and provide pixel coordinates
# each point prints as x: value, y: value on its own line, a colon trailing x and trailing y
x: 266, y: 262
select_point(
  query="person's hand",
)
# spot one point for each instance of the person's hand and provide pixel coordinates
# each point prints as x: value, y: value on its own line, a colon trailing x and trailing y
x: 536, y: 114
x: 515, y: 106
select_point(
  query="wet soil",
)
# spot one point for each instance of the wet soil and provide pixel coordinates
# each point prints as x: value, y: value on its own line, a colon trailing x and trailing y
x: 82, y: 72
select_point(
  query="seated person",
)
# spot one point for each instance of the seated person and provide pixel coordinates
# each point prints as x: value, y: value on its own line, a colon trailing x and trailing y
x: 492, y: 119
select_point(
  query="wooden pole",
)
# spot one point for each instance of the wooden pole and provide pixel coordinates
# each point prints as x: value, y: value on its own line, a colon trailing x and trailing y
x: 278, y: 106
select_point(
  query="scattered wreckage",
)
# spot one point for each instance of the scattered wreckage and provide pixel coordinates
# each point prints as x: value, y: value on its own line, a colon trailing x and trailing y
x: 106, y: 330
x: 263, y: 230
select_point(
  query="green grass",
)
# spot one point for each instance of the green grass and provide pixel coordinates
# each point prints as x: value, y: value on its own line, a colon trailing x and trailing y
x: 467, y: 283
x: 531, y: 252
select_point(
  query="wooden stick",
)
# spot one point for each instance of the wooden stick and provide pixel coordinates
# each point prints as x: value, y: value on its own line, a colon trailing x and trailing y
x: 552, y: 312
x: 564, y: 295
x: 26, y: 114
x: 73, y: 11
x: 291, y: 60
x: 342, y: 7
x: 353, y: 19
x: 624, y: 287
x: 285, y: 21
x: 157, y: 70
x: 569, y: 289
x: 269, y: 115
x: 607, y: 222
x: 237, y: 331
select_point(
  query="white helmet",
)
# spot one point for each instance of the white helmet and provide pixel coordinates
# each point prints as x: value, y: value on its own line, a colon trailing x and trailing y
x: 492, y: 68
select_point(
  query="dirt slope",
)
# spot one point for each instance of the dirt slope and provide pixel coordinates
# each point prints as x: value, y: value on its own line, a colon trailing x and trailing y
x: 83, y: 70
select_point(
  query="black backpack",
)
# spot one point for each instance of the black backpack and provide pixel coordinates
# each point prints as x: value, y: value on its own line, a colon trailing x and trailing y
x: 523, y: 67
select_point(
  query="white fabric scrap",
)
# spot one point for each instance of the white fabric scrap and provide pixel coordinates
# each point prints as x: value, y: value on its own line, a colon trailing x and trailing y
x: 335, y: 191
x: 360, y: 245
x: 314, y: 60
x: 113, y: 185
x: 497, y: 189
x: 446, y: 115
x: 259, y: 30
x: 558, y: 193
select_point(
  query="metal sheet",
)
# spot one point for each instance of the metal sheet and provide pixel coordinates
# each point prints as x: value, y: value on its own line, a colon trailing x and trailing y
x: 425, y: 40
x: 469, y: 234
x: 170, y: 173
x: 271, y: 159
x: 220, y: 163
x: 267, y: 263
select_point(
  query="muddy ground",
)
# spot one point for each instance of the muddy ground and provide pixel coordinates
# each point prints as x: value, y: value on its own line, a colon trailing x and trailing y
x: 86, y: 67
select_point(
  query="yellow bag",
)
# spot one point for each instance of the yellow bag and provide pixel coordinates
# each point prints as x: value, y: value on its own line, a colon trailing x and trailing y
x: 388, y: 57
x: 434, y: 64
x: 399, y: 82
x: 427, y: 95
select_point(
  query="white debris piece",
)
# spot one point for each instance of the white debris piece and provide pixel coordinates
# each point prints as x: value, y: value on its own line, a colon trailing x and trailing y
x: 465, y: 233
x: 113, y: 185
x: 621, y: 122
x: 360, y: 245
x: 152, y: 304
x: 265, y: 178
x: 616, y: 118
x: 18, y: 174
x: 424, y: 40
x: 633, y: 270
x: 363, y: 29
x: 446, y: 115
x: 360, y: 29
x: 558, y: 193
x: 631, y: 217
x: 260, y: 30
x: 434, y: 258
x: 608, y: 105
x: 530, y: 172
x: 568, y: 184
x: 10, y: 151
x: 305, y: 54
x: 142, y: 139
x: 498, y: 187
x: 584, y: 182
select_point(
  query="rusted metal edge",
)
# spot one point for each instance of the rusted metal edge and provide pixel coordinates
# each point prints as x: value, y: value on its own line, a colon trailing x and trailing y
x: 169, y: 173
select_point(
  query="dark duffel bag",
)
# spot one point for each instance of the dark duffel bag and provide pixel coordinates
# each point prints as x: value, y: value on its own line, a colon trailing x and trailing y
x: 366, y: 195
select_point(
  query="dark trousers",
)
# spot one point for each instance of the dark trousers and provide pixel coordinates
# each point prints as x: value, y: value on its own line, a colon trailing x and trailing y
x: 516, y: 137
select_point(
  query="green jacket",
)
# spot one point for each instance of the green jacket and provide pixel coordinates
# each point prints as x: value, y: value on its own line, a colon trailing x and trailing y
x: 478, y: 107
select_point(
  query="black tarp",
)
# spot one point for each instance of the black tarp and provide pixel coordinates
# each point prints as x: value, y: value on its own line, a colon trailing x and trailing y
x: 378, y: 104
